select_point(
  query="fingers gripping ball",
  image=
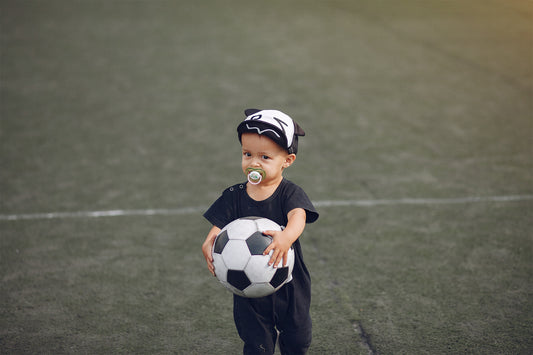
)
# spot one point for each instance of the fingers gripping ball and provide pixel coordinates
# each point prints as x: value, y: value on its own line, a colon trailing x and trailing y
x: 239, y: 261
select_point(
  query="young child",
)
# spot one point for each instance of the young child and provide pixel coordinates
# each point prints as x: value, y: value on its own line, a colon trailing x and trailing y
x: 269, y: 140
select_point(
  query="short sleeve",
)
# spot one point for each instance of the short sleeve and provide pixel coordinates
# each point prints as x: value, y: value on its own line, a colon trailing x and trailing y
x: 297, y: 198
x: 221, y: 211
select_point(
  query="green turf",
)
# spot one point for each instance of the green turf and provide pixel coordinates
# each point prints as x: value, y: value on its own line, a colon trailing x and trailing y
x: 133, y: 105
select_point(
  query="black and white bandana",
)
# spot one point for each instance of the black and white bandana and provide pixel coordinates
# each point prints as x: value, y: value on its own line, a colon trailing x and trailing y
x: 274, y: 124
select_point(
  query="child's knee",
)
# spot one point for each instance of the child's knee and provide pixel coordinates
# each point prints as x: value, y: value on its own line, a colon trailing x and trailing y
x: 254, y: 349
x: 295, y: 342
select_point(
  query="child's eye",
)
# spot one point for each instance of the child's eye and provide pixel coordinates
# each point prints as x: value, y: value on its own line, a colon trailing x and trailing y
x: 246, y: 154
x: 266, y: 157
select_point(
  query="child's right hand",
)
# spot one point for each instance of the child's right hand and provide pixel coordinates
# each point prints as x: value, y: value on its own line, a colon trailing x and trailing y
x: 207, y: 248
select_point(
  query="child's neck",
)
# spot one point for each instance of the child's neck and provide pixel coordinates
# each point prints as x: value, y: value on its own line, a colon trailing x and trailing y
x: 262, y: 191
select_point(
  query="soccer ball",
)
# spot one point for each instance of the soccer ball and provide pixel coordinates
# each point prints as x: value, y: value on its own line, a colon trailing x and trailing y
x: 239, y: 261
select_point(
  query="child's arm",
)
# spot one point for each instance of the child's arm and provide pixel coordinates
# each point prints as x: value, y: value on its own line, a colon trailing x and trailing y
x: 208, y: 246
x: 282, y: 240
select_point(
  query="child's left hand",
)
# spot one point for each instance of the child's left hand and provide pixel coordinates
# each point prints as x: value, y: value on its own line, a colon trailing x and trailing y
x: 282, y: 240
x: 280, y: 246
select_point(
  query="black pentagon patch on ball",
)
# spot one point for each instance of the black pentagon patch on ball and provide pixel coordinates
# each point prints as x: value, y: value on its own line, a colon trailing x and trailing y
x: 257, y: 243
x: 238, y: 279
x: 279, y: 277
x: 221, y: 242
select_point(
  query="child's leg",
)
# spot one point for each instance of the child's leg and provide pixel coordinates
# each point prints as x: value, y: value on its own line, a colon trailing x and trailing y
x: 255, y: 324
x: 295, y: 341
x: 293, y: 318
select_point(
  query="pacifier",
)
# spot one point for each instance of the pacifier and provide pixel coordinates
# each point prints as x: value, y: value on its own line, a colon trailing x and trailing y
x: 255, y: 175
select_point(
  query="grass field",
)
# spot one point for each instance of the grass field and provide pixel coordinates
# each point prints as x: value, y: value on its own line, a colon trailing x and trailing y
x: 418, y: 154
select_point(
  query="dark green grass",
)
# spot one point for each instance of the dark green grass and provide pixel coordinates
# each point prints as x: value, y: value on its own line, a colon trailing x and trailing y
x: 420, y: 283
x: 411, y: 278
x: 133, y: 105
x: 112, y: 286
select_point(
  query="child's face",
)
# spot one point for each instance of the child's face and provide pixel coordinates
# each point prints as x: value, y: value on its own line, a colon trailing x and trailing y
x: 262, y: 152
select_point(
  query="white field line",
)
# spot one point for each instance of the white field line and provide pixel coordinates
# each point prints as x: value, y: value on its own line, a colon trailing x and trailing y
x: 326, y: 203
x: 422, y: 201
x: 96, y: 214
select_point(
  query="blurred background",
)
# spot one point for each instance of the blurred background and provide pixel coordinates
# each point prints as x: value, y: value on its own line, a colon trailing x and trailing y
x: 133, y: 105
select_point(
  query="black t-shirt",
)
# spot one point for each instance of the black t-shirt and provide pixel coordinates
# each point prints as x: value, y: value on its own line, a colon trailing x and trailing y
x: 236, y: 203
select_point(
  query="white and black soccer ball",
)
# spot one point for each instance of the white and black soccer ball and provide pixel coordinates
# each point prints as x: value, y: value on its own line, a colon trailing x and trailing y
x: 239, y: 261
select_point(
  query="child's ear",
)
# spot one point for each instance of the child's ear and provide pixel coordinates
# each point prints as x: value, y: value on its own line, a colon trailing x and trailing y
x: 289, y: 160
